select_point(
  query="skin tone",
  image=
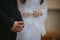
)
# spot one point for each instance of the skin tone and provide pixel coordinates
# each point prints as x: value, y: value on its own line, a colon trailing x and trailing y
x: 17, y: 26
x: 37, y: 13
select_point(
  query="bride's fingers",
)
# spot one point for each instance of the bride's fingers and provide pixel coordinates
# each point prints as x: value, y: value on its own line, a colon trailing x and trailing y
x: 19, y: 30
x: 36, y: 14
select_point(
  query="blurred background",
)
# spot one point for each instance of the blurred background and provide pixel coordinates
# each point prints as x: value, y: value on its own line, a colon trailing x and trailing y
x: 52, y: 23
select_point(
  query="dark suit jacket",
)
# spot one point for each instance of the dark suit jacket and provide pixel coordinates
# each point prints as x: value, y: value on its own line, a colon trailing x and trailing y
x: 8, y: 14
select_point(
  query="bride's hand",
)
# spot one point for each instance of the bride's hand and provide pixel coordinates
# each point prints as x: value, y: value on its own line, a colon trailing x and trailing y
x: 37, y: 13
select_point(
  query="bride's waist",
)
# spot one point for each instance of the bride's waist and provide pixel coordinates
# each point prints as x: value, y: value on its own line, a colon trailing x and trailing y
x: 27, y: 15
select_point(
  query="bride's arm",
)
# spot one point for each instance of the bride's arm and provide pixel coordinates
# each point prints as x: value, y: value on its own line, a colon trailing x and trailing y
x: 43, y: 17
x: 44, y: 11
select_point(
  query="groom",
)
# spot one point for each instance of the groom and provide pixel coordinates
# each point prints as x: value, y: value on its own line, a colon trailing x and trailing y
x: 10, y: 20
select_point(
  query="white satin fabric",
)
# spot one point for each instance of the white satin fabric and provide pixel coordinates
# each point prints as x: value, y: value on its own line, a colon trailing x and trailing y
x: 34, y: 27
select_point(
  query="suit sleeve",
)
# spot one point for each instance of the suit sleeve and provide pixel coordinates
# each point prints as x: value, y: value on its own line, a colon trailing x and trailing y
x: 5, y: 20
x: 19, y: 17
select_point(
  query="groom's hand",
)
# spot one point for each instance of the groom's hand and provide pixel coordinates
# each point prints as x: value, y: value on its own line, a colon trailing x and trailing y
x: 17, y: 26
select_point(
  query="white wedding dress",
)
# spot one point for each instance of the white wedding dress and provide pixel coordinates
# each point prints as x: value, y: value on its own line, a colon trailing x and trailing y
x: 34, y: 27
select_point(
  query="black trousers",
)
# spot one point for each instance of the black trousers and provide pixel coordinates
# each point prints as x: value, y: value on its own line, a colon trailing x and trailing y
x: 7, y: 35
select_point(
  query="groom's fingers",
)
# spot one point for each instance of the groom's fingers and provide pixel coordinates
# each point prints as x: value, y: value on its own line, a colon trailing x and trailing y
x: 20, y: 22
x: 20, y: 26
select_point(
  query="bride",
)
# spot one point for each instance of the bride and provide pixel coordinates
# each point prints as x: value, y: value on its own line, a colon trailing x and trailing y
x: 34, y: 13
